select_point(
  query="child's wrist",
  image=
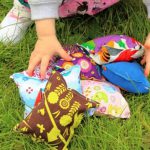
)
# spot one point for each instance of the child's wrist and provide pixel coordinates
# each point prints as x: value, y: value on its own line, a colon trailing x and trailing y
x: 43, y: 36
x: 47, y: 37
x: 45, y: 27
x: 46, y: 34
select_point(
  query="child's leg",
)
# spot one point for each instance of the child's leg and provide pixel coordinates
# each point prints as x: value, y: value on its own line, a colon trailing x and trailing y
x: 15, y: 24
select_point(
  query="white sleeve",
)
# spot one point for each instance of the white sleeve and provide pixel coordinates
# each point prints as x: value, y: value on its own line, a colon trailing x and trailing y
x: 44, y: 9
x: 147, y: 4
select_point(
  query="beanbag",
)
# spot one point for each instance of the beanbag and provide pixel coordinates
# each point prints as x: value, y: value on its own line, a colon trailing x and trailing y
x: 29, y: 87
x: 113, y: 48
x: 72, y: 78
x: 89, y: 69
x: 112, y: 103
x: 36, y: 72
x: 28, y: 109
x: 127, y: 75
x: 55, y: 117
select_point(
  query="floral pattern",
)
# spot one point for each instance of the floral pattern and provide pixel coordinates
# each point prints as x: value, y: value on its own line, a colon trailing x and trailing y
x: 112, y: 103
x: 89, y: 69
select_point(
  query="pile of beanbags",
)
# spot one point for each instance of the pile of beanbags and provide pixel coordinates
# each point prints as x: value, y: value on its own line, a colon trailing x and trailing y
x: 116, y: 54
x: 88, y: 85
x: 29, y: 87
x: 55, y: 117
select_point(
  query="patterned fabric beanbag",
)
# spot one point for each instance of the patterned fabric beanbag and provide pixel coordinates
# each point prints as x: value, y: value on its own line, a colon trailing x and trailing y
x: 72, y: 78
x: 30, y: 87
x: 89, y: 69
x: 112, y: 103
x: 127, y: 75
x: 113, y: 48
x: 55, y: 117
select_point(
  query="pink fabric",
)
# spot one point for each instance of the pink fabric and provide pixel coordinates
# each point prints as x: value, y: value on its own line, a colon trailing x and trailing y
x: 112, y: 103
x: 90, y: 7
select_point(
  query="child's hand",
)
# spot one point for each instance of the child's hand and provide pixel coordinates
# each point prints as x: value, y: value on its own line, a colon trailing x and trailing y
x: 44, y: 50
x: 46, y: 46
x: 146, y: 58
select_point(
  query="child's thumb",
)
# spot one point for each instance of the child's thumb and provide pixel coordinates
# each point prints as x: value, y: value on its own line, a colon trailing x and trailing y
x: 63, y: 54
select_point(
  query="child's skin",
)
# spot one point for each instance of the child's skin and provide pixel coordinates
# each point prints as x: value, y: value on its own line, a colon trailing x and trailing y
x: 146, y: 58
x: 48, y: 45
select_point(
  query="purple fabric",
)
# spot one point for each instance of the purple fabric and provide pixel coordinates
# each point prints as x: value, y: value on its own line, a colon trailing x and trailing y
x: 113, y: 48
x: 89, y: 69
x: 101, y: 41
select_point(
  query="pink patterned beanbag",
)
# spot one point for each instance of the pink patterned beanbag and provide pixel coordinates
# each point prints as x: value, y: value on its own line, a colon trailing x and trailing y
x: 90, y: 7
x: 112, y: 103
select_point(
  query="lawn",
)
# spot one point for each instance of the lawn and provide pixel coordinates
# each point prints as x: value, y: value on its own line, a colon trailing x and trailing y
x: 127, y: 17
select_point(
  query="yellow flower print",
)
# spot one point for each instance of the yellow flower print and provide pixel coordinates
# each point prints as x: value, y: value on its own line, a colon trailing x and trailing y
x: 92, y: 72
x: 65, y: 120
x: 78, y: 55
x: 67, y: 65
x: 53, y: 97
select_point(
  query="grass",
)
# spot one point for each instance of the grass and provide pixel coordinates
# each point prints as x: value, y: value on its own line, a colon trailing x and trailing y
x: 127, y: 17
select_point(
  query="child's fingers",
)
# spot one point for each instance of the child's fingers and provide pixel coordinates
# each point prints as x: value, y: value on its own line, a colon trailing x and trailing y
x: 147, y: 42
x: 44, y: 65
x: 147, y: 69
x: 143, y: 60
x: 32, y: 64
x: 63, y: 54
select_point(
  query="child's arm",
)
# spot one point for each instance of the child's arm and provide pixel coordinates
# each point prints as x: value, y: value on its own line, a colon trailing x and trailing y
x: 46, y: 46
x: 44, y: 13
x: 146, y: 58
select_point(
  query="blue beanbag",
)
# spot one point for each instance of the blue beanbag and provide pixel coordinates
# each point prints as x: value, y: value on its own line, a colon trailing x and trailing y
x: 29, y: 87
x: 72, y: 78
x: 127, y: 75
